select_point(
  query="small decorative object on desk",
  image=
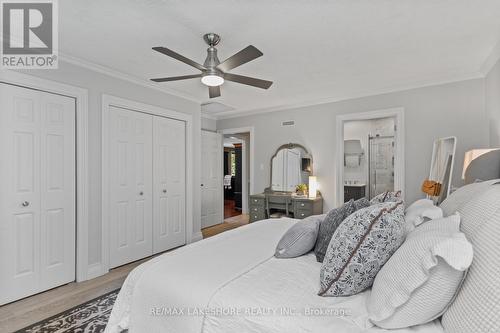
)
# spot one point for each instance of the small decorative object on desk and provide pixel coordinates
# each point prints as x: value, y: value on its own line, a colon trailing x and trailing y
x: 301, y: 189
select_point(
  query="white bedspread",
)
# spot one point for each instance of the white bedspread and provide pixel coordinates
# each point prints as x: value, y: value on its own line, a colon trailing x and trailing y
x: 283, y: 295
x: 232, y: 283
x: 185, y: 279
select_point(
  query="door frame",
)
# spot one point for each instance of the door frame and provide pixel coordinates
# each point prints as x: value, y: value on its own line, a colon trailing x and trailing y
x: 399, y: 160
x: 82, y: 268
x: 114, y: 101
x: 221, y: 168
x: 245, y: 174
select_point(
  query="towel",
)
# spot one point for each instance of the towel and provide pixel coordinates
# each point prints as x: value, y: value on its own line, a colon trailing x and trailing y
x: 227, y: 181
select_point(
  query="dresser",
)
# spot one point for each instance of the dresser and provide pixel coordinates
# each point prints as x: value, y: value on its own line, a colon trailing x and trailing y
x: 289, y: 204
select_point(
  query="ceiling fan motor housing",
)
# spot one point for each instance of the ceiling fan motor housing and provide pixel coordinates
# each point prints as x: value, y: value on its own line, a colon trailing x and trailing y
x: 211, y: 62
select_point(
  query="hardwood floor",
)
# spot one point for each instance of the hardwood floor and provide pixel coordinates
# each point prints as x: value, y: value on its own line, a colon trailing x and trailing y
x: 229, y: 210
x: 228, y: 224
x: 22, y: 313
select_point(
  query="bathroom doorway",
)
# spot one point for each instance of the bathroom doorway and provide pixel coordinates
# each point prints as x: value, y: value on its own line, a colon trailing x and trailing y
x: 370, y: 154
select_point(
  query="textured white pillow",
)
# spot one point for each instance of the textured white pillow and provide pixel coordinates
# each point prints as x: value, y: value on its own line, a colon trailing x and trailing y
x: 421, y: 279
x: 421, y: 211
x: 477, y: 305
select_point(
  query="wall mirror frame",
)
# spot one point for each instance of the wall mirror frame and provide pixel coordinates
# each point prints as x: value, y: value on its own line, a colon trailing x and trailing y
x: 304, y: 163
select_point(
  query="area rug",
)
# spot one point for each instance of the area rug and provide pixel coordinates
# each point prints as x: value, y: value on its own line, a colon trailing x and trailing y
x: 89, y: 317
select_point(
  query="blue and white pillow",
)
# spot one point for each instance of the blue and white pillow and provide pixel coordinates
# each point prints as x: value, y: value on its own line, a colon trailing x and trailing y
x: 359, y: 248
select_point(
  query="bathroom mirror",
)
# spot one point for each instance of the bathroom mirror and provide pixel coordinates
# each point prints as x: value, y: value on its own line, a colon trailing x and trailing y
x: 291, y: 165
x: 443, y: 158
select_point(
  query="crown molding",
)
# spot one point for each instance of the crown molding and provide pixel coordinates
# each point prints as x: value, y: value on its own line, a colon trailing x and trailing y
x: 208, y: 116
x: 123, y: 76
x: 491, y: 60
x: 394, y: 89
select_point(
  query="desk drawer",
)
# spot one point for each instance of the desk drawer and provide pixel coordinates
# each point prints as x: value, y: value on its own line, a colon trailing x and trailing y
x: 302, y: 213
x: 257, y: 201
x: 257, y: 209
x: 257, y: 216
x: 305, y: 205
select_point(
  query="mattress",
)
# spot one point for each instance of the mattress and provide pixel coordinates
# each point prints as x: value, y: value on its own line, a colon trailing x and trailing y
x: 232, y: 283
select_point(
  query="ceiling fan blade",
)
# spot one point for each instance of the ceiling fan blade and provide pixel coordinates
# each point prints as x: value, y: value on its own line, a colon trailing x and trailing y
x: 179, y: 57
x: 251, y: 81
x: 249, y: 53
x: 214, y: 91
x: 176, y: 78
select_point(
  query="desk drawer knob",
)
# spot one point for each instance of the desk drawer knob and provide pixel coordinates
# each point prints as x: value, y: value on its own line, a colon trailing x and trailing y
x: 302, y: 214
x: 302, y: 204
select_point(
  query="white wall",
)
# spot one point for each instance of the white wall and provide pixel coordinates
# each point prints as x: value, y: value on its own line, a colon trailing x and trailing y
x: 493, y: 104
x: 208, y: 124
x: 430, y: 112
x: 97, y: 84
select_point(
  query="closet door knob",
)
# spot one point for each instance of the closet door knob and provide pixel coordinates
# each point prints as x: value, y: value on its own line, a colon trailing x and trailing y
x: 25, y: 204
x: 164, y: 191
x: 141, y: 193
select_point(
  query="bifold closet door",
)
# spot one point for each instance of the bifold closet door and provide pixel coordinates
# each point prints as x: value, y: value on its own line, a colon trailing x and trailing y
x: 130, y: 188
x: 37, y: 192
x: 169, y: 177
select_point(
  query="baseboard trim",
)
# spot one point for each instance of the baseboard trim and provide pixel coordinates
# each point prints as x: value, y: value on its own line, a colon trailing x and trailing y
x: 95, y: 270
x: 197, y: 236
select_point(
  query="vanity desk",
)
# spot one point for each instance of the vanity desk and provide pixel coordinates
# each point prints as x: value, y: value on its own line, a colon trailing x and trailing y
x: 263, y: 204
x: 291, y: 165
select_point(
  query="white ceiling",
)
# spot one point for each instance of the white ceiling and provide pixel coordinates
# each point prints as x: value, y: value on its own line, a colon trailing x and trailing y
x: 314, y: 51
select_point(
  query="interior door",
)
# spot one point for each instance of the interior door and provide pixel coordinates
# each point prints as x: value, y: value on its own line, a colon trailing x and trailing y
x: 169, y: 183
x: 211, y: 179
x: 37, y: 196
x: 131, y: 179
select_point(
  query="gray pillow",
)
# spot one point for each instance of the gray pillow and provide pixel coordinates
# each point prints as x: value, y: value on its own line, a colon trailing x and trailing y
x: 328, y: 226
x: 387, y: 196
x: 360, y: 246
x: 300, y: 238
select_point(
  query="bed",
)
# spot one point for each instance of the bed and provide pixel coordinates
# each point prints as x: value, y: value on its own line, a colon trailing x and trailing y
x: 232, y: 283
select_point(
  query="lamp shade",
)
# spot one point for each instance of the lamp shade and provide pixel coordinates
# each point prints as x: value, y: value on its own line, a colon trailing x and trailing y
x: 313, y: 186
x: 481, y: 164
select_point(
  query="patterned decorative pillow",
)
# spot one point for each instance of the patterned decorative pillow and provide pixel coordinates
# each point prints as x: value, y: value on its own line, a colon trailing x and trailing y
x: 361, y: 245
x: 361, y: 203
x: 328, y: 226
x: 300, y: 238
x: 386, y: 197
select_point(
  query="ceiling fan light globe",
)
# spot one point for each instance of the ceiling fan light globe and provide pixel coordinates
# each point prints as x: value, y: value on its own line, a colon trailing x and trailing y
x: 212, y: 80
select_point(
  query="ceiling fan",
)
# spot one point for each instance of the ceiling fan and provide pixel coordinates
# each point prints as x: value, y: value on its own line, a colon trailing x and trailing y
x: 213, y: 72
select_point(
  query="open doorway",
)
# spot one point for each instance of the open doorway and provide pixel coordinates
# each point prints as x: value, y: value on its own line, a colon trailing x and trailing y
x: 233, y: 177
x: 238, y: 171
x: 371, y: 151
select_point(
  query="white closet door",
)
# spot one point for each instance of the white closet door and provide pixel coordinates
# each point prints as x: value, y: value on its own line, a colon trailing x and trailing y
x: 130, y: 174
x: 211, y: 179
x: 37, y: 196
x: 58, y: 186
x: 169, y: 177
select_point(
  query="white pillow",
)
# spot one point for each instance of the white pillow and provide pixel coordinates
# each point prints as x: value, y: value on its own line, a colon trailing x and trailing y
x: 421, y: 211
x: 421, y: 279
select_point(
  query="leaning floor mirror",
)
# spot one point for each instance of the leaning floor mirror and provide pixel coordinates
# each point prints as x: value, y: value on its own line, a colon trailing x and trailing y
x: 443, y: 158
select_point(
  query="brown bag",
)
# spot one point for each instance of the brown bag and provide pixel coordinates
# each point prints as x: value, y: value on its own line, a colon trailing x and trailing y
x: 431, y: 187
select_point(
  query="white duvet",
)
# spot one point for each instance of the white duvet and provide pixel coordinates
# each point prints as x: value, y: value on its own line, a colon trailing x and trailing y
x: 232, y: 283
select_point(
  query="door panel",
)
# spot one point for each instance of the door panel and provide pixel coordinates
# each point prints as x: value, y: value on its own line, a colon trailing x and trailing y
x: 211, y: 179
x: 37, y: 197
x: 58, y: 190
x: 169, y: 167
x: 130, y: 170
